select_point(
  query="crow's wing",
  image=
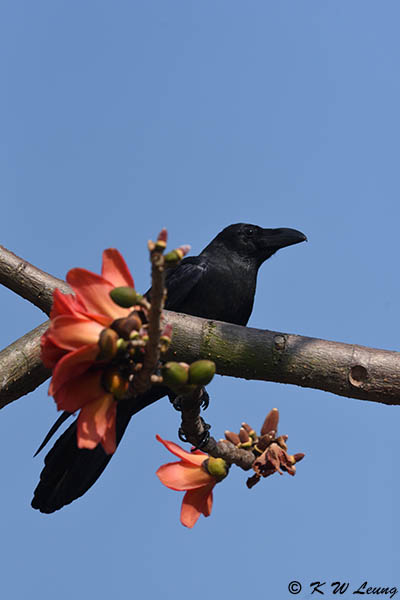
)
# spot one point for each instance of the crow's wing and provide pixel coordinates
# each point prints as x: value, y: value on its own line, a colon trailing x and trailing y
x: 63, y: 417
x: 181, y: 281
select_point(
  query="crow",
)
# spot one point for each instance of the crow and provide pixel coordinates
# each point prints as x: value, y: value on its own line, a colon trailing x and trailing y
x: 219, y: 284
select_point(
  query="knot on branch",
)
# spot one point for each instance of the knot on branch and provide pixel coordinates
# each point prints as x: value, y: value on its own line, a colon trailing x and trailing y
x: 358, y: 375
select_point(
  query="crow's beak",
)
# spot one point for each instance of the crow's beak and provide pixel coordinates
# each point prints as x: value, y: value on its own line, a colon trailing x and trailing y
x: 281, y: 238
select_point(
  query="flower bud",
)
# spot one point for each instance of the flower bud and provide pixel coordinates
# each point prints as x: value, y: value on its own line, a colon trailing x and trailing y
x: 165, y: 338
x: 298, y: 456
x: 108, y: 344
x: 163, y: 236
x: 125, y: 296
x: 122, y: 345
x: 174, y: 257
x: 174, y: 374
x: 252, y: 433
x: 243, y: 435
x: 164, y: 344
x: 246, y: 441
x: 232, y: 437
x: 126, y: 325
x: 161, y: 243
x: 271, y: 421
x: 201, y: 372
x: 216, y: 467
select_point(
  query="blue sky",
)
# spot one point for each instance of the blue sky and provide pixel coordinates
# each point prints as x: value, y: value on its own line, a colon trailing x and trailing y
x: 119, y: 118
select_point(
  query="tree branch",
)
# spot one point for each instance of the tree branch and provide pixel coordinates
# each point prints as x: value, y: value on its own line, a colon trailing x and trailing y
x: 21, y: 370
x: 343, y: 369
x: 28, y: 281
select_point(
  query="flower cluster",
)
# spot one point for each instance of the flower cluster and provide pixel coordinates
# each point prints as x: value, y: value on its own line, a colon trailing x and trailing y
x: 197, y: 473
x: 269, y: 449
x: 80, y: 345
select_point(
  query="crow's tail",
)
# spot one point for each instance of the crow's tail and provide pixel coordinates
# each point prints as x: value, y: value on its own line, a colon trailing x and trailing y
x: 69, y: 472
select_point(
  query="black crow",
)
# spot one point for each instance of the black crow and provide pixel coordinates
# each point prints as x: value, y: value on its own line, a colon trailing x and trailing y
x: 218, y: 284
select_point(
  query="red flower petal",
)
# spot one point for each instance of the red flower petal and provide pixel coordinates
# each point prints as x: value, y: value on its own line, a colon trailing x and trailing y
x: 71, y: 365
x: 195, y: 503
x: 194, y: 458
x: 115, y: 269
x: 65, y: 304
x: 79, y: 391
x: 50, y: 353
x: 96, y: 424
x: 181, y: 476
x: 71, y: 332
x: 95, y: 293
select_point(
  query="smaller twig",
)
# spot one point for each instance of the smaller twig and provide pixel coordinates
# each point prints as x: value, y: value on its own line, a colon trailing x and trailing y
x: 194, y: 430
x: 142, y: 380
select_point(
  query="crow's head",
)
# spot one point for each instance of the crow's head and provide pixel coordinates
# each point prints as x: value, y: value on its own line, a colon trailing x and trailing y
x: 254, y: 242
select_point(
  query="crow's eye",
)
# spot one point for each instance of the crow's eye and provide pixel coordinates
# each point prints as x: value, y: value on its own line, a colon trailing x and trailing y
x: 249, y: 232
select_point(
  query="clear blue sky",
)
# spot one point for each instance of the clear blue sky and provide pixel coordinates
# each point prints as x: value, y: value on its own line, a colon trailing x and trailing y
x: 118, y: 118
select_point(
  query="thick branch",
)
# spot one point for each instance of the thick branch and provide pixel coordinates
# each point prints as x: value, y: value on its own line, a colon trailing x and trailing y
x: 28, y: 281
x: 21, y: 370
x: 343, y: 369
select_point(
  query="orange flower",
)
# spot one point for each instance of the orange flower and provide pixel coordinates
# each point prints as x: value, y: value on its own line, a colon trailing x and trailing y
x: 70, y: 347
x: 190, y: 475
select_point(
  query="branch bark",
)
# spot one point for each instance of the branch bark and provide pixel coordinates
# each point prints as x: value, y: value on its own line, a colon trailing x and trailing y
x: 21, y: 370
x: 343, y: 369
x: 28, y: 281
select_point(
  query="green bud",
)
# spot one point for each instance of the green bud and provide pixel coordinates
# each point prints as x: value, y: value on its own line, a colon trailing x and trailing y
x: 125, y: 296
x: 173, y: 258
x: 174, y: 374
x: 201, y: 372
x: 216, y: 467
x: 122, y: 345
